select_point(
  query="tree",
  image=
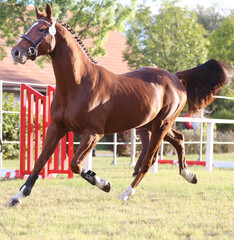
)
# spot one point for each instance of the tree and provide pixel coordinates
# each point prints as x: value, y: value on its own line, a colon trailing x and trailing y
x: 210, y: 18
x: 221, y: 47
x: 96, y: 18
x: 222, y: 41
x: 171, y: 39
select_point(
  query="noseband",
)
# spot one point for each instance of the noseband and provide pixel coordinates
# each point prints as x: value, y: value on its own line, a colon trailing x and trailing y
x: 32, y: 51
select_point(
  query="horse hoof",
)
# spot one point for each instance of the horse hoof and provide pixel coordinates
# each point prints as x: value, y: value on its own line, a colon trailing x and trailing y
x: 194, y: 181
x: 128, y: 193
x: 14, y: 202
x: 107, y: 187
x: 188, y: 176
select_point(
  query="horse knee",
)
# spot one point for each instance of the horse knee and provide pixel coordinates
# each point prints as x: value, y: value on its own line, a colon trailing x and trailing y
x: 75, y: 167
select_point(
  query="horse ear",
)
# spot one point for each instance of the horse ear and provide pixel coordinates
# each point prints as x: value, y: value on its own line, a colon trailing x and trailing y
x: 49, y: 11
x: 38, y: 13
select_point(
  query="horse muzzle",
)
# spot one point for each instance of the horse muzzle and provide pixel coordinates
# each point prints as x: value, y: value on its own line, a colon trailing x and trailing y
x: 21, y: 56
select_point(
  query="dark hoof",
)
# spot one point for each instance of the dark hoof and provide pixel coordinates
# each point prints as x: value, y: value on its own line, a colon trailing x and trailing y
x: 194, y: 179
x: 13, y: 203
x: 135, y: 174
x: 107, y: 188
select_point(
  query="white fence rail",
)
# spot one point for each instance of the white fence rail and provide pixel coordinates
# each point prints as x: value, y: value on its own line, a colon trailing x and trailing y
x: 209, y: 141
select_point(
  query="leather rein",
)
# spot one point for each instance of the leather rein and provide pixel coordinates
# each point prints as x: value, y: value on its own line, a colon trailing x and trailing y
x: 32, y: 51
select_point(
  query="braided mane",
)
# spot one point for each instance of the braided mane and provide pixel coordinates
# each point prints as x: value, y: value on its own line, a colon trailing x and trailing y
x: 79, y: 41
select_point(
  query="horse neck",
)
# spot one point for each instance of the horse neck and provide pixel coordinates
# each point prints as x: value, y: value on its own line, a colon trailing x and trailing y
x: 71, y: 65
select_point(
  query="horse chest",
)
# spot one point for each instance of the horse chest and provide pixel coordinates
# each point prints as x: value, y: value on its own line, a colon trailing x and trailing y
x: 69, y: 116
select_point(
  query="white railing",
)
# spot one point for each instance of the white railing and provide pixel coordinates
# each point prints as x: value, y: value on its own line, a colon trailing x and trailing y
x: 209, y: 142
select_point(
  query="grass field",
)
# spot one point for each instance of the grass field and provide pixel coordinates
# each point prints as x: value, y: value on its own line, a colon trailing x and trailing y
x: 165, y: 206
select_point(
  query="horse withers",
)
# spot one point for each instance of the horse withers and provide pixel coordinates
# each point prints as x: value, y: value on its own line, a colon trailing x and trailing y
x: 92, y: 101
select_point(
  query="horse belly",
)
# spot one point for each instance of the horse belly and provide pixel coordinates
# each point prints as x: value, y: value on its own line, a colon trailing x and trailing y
x: 128, y: 116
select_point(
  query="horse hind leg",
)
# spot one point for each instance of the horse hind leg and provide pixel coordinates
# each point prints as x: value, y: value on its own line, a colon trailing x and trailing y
x: 158, y: 133
x: 87, y: 143
x: 130, y: 191
x: 177, y: 141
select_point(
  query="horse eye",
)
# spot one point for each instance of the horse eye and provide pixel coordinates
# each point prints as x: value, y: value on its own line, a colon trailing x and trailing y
x: 41, y: 29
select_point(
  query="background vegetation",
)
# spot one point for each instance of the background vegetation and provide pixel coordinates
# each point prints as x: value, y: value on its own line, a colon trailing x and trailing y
x: 91, y: 18
x: 173, y: 38
x: 10, y: 126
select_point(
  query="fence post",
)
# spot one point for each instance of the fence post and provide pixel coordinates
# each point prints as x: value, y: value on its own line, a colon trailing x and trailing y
x: 201, y: 137
x: 45, y: 171
x: 70, y: 152
x: 1, y: 120
x: 209, y: 146
x: 114, y: 150
x: 133, y: 146
x: 161, y: 150
x: 154, y: 168
x: 88, y: 162
x: 23, y: 107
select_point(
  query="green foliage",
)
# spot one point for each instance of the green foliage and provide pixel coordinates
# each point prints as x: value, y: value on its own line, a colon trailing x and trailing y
x: 10, y: 128
x: 171, y: 39
x: 222, y: 41
x: 14, y: 20
x: 95, y: 18
x: 210, y: 17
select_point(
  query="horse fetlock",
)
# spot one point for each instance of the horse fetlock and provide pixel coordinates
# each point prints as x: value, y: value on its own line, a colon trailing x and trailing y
x: 130, y: 191
x: 93, y: 178
x: 27, y: 187
x: 89, y: 176
x: 188, y: 176
x: 26, y: 190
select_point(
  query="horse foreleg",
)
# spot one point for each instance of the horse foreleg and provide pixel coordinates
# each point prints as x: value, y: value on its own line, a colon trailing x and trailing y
x: 54, y: 134
x: 177, y: 141
x: 87, y: 143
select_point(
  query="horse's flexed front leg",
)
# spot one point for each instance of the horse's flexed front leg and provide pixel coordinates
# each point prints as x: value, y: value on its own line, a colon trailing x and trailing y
x: 54, y: 133
x: 87, y: 143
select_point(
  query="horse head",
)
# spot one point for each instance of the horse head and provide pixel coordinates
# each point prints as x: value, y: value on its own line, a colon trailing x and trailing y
x: 38, y: 40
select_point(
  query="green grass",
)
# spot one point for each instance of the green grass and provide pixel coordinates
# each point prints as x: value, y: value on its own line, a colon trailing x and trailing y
x: 165, y: 206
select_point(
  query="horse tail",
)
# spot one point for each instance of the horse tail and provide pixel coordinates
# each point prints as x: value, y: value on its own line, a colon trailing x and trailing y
x: 203, y: 82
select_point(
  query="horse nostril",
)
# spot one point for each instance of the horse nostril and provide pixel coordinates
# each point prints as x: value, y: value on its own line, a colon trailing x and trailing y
x: 16, y: 53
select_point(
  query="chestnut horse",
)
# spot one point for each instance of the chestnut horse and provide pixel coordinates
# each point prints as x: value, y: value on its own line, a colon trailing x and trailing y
x: 92, y: 101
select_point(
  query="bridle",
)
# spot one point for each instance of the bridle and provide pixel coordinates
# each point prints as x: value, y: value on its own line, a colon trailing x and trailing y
x: 32, y: 51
